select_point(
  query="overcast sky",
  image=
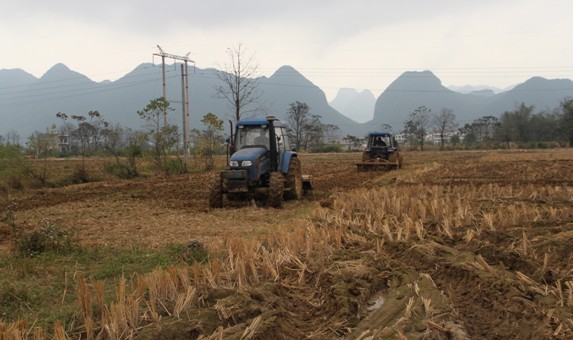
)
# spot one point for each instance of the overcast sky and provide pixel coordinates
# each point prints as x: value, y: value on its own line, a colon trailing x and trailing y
x: 361, y: 44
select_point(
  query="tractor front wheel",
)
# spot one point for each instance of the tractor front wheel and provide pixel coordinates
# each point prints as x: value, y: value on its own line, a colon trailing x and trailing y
x: 216, y: 194
x: 276, y: 189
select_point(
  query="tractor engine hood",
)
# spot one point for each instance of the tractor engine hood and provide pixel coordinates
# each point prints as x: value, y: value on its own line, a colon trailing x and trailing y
x: 255, y: 159
x: 249, y: 154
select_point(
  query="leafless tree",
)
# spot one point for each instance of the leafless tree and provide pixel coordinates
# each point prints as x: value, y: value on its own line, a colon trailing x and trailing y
x: 417, y: 126
x: 240, y: 81
x: 12, y: 138
x: 444, y: 122
x: 299, y: 120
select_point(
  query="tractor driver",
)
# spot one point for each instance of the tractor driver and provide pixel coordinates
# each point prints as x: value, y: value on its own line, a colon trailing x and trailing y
x: 262, y: 139
x: 379, y: 141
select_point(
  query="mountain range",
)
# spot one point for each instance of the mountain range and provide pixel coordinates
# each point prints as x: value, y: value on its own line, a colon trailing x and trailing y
x: 414, y: 89
x: 28, y: 103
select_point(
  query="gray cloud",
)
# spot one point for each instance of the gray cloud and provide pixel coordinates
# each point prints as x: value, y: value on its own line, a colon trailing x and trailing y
x: 339, y: 17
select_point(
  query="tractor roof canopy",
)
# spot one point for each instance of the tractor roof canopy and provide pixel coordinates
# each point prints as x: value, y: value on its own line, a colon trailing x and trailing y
x: 259, y: 122
x: 380, y: 134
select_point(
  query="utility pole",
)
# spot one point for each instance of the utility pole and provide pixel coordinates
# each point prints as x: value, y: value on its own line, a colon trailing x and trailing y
x: 184, y: 94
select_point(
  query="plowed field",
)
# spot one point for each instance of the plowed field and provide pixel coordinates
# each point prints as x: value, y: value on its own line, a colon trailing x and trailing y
x: 455, y: 245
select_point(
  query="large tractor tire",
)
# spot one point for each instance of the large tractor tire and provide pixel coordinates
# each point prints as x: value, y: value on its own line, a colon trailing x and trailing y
x: 395, y: 158
x: 276, y: 190
x: 216, y: 194
x: 294, y: 180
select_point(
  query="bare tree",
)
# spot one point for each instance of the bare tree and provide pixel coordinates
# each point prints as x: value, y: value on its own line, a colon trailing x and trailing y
x: 240, y: 81
x: 489, y: 125
x: 567, y: 120
x: 114, y: 140
x: 84, y: 133
x: 444, y: 122
x: 330, y: 133
x: 299, y: 120
x: 417, y: 126
x: 314, y: 133
x: 42, y: 145
x: 13, y: 138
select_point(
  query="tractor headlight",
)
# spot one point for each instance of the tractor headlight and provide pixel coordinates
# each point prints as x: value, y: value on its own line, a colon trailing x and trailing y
x: 247, y: 163
x: 233, y: 163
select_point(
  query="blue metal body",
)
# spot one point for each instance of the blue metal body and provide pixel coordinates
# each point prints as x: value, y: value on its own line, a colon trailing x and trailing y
x: 259, y: 158
x: 287, y: 156
x: 251, y: 165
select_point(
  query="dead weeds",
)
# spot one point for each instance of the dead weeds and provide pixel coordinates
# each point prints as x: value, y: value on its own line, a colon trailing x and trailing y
x: 455, y: 245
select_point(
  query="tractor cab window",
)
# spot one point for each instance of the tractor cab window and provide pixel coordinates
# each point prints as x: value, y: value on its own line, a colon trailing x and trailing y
x: 282, y: 139
x: 380, y: 141
x: 252, y: 136
x: 286, y: 140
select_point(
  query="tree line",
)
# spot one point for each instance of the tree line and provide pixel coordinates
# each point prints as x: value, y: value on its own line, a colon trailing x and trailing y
x: 91, y: 135
x: 520, y: 128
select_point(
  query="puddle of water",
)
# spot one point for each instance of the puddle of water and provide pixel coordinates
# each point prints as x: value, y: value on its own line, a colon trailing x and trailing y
x: 377, y: 304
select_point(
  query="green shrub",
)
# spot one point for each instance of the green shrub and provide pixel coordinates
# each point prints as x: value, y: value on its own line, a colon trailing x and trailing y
x: 327, y: 148
x: 80, y: 175
x: 121, y: 170
x: 48, y: 238
x: 192, y: 252
x: 13, y: 170
x: 175, y: 167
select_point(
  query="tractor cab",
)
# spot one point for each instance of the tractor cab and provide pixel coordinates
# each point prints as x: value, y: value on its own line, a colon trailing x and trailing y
x: 261, y: 146
x: 381, y: 152
x: 380, y: 145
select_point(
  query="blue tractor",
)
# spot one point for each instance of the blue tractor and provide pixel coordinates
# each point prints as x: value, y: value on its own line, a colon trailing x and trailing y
x: 261, y: 166
x: 381, y: 153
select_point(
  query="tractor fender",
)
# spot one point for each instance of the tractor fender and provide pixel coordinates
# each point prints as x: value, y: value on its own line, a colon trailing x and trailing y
x: 287, y: 156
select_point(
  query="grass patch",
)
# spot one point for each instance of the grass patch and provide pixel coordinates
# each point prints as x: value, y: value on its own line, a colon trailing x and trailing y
x: 327, y: 148
x: 43, y: 287
x: 112, y: 263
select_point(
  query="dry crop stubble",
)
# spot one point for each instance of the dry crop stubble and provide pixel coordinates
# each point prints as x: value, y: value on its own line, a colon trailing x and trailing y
x: 436, y: 245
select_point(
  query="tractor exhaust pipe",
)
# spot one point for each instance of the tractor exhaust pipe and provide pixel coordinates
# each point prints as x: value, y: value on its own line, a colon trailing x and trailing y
x: 230, y: 143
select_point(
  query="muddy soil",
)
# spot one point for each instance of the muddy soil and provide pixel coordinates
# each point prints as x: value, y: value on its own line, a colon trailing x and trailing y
x: 370, y: 288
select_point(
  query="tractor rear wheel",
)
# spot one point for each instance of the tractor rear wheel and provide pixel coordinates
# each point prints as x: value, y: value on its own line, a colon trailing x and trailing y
x: 216, y: 194
x: 294, y: 180
x: 276, y: 189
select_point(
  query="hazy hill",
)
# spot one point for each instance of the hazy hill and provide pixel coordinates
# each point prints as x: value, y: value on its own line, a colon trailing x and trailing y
x: 28, y: 103
x: 474, y: 88
x: 287, y: 85
x: 543, y: 94
x: 358, y: 106
x: 414, y: 89
x: 11, y: 80
x: 33, y: 103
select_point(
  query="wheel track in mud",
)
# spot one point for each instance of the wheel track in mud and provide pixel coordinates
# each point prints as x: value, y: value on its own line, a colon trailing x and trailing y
x: 487, y: 301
